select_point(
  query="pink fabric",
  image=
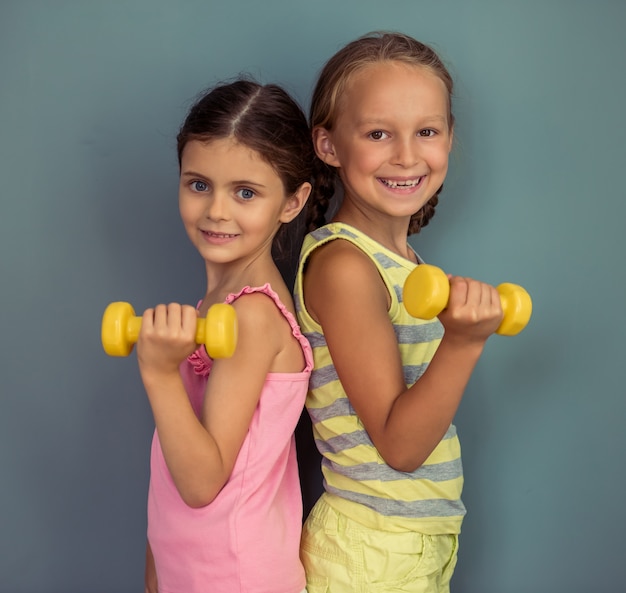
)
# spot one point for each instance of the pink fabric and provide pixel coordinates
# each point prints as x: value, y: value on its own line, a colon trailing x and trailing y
x: 247, y: 540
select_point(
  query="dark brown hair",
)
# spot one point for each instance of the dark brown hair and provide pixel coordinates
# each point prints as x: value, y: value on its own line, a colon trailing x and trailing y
x: 264, y: 118
x: 370, y: 49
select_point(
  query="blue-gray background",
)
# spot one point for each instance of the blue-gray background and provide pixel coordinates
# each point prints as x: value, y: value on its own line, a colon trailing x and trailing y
x: 91, y: 95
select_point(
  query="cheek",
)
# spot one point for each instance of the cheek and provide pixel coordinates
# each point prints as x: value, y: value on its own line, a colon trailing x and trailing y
x: 439, y: 159
x: 188, y: 213
x: 365, y: 160
x: 182, y: 210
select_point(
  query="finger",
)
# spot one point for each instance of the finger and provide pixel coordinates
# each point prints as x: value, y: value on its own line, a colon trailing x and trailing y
x: 481, y: 295
x: 174, y: 316
x: 147, y: 319
x: 491, y: 305
x: 160, y: 316
x: 496, y: 300
x: 458, y: 291
x: 474, y: 292
x: 189, y: 319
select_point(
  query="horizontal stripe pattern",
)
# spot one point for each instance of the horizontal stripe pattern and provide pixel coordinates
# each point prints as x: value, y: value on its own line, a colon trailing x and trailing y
x: 353, y: 469
x: 423, y: 333
x: 428, y: 508
x: 441, y: 472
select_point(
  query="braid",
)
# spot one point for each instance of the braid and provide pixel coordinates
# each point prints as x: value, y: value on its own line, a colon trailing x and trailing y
x: 323, y: 190
x: 422, y: 217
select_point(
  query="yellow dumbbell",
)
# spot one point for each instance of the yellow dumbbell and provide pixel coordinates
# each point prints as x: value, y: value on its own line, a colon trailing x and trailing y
x: 427, y: 290
x: 218, y: 332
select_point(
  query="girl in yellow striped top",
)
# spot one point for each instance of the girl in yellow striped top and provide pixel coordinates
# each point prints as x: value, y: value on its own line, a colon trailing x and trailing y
x: 386, y: 386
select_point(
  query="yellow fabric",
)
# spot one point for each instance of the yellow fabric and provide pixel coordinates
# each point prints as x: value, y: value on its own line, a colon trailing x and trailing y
x: 341, y: 555
x: 365, y: 488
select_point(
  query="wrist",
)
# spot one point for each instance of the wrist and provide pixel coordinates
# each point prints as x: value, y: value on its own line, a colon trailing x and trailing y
x: 160, y: 377
x: 462, y: 342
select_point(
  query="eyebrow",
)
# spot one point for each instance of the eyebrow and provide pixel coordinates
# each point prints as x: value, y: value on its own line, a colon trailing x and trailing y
x: 190, y: 174
x: 383, y: 122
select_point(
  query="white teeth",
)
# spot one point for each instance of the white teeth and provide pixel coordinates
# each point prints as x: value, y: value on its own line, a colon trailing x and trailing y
x: 224, y: 235
x: 394, y: 184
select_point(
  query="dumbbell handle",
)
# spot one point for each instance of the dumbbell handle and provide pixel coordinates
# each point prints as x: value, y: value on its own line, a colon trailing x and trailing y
x: 133, y: 327
x: 427, y: 290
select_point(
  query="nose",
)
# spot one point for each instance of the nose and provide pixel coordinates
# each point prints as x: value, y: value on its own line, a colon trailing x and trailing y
x: 406, y: 154
x: 217, y: 207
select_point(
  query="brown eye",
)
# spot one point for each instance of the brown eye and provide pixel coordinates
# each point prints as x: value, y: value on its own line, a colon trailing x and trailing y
x: 377, y: 135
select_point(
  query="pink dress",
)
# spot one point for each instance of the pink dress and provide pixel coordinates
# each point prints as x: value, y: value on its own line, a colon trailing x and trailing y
x: 247, y: 540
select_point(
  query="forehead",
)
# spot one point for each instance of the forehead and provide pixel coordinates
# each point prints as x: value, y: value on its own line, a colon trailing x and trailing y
x: 393, y: 88
x: 226, y: 158
x: 222, y: 152
x: 199, y: 150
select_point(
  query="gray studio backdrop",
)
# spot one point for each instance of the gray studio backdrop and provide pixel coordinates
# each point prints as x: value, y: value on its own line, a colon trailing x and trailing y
x: 91, y: 95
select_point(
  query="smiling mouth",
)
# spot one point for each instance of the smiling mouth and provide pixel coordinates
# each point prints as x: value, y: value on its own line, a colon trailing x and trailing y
x: 219, y: 235
x: 403, y: 184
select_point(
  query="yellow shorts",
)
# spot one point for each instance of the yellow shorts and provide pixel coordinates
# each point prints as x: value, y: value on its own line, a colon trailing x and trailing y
x: 342, y: 556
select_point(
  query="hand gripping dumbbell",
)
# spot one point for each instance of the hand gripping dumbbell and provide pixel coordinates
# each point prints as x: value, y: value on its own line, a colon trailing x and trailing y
x: 217, y: 332
x: 427, y: 290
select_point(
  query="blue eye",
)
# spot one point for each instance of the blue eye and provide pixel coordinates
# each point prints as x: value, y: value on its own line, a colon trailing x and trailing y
x: 245, y: 193
x: 199, y: 186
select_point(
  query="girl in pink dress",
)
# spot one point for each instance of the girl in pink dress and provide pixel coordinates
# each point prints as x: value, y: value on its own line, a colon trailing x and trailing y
x: 224, y: 504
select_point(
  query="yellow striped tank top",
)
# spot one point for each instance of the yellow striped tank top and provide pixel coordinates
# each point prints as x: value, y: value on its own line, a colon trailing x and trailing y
x: 357, y: 480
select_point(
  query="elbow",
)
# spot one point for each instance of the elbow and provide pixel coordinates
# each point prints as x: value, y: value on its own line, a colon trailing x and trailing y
x: 197, y: 502
x: 197, y: 498
x: 200, y: 489
x: 406, y: 467
x: 402, y: 461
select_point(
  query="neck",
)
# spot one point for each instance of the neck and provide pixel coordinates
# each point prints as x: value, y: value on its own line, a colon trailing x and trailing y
x: 224, y: 279
x: 391, y: 232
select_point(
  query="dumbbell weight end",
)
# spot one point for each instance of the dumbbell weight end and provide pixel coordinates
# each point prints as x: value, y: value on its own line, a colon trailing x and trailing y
x: 218, y: 332
x: 517, y: 307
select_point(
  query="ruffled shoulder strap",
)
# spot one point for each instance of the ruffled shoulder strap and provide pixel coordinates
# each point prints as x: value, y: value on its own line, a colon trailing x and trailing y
x: 202, y: 362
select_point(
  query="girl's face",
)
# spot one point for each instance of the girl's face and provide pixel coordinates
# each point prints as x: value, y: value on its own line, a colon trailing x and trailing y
x: 231, y: 201
x: 391, y: 139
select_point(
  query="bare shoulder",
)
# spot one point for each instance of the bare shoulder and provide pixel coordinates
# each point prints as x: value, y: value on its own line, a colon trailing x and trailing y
x: 256, y: 312
x: 337, y: 252
x: 340, y: 271
x: 262, y: 323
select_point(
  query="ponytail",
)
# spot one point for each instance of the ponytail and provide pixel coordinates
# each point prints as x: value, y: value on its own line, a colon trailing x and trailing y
x: 324, y: 178
x: 422, y: 217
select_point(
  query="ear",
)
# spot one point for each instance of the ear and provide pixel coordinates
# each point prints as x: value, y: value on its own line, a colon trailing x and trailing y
x: 451, y: 139
x: 295, y: 203
x: 324, y: 147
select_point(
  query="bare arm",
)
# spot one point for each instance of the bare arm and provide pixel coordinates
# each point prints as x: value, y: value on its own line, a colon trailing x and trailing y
x: 200, y: 453
x: 344, y: 292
